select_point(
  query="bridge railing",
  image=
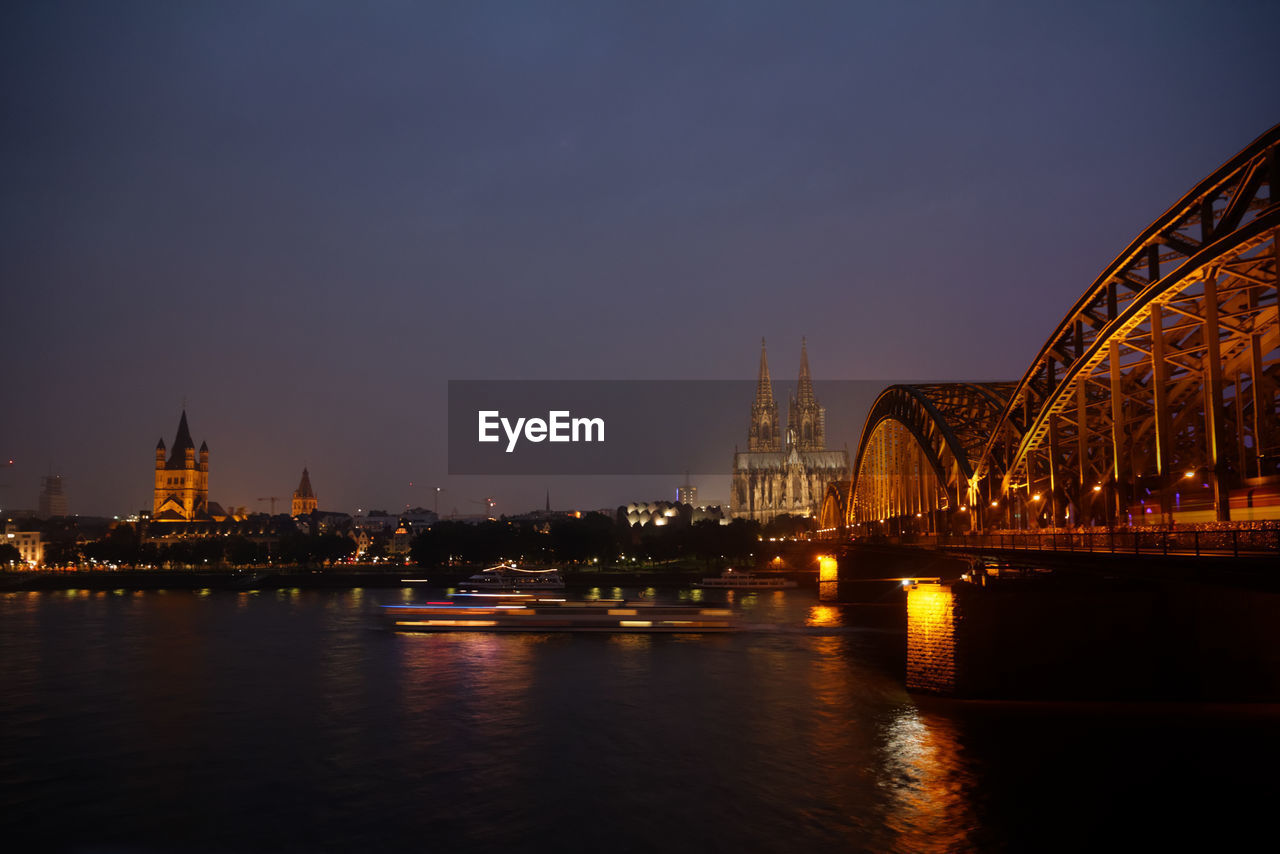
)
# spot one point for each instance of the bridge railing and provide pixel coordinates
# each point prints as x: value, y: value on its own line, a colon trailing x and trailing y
x: 1234, y: 542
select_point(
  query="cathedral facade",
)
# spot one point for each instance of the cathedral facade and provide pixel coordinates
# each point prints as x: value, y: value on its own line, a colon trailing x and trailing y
x: 784, y: 472
x: 182, y: 480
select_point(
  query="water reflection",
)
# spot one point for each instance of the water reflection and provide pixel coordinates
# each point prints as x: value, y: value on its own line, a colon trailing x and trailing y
x: 823, y: 615
x: 929, y: 782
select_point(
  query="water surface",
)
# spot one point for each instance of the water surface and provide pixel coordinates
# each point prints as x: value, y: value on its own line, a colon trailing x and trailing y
x: 293, y: 721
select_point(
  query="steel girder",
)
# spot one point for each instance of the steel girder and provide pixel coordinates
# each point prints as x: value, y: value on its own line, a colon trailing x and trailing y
x: 1165, y: 368
x: 1159, y: 385
x: 948, y: 424
x: 833, y: 514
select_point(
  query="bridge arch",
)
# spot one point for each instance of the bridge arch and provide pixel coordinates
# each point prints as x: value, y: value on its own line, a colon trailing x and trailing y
x: 1154, y: 399
x: 918, y: 449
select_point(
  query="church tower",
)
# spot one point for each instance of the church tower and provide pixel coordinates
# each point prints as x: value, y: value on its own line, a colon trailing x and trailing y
x: 304, y: 499
x: 806, y: 420
x: 764, y: 434
x: 181, y: 483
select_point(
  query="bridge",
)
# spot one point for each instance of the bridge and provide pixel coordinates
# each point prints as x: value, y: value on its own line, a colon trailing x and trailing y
x: 1151, y: 406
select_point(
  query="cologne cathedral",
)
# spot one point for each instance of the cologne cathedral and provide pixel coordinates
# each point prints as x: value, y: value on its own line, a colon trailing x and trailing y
x: 784, y: 472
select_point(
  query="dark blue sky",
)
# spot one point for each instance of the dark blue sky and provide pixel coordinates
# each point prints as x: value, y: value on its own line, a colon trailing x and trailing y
x: 306, y: 217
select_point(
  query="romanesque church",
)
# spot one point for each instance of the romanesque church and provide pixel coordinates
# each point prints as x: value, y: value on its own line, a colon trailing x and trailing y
x: 784, y: 472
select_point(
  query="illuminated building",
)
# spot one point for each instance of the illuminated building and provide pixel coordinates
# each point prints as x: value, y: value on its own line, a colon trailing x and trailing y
x: 30, y: 546
x: 784, y: 473
x: 304, y: 499
x: 182, y: 482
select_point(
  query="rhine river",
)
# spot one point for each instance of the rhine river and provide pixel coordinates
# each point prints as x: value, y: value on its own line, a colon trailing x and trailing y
x: 292, y: 721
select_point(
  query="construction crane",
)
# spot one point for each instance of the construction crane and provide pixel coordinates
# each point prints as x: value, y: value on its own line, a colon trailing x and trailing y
x: 273, y: 499
x: 488, y: 503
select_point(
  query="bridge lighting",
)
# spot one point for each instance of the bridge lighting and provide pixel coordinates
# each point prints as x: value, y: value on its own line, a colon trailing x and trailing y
x: 1097, y: 487
x: 1035, y: 497
x: 1189, y: 474
x: 995, y: 503
x: 963, y: 507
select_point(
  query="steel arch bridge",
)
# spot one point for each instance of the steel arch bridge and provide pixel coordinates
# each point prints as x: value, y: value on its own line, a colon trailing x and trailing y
x: 1153, y: 401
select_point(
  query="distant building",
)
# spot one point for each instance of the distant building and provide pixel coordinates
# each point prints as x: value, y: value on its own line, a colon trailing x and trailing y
x: 53, y: 500
x: 377, y: 520
x: 418, y: 518
x: 30, y: 546
x: 304, y: 498
x: 784, y: 473
x: 660, y: 513
x: 686, y: 494
x: 182, y: 482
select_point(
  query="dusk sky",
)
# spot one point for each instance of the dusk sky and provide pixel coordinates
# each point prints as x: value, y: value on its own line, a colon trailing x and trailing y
x: 304, y: 218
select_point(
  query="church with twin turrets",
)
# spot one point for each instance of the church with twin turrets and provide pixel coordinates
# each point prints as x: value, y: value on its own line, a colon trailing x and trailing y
x: 182, y: 480
x: 784, y: 472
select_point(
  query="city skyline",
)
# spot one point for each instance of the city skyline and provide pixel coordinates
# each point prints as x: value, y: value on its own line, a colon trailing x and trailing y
x: 207, y: 207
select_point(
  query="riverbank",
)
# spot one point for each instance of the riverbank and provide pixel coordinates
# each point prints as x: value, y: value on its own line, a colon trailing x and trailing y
x: 328, y: 578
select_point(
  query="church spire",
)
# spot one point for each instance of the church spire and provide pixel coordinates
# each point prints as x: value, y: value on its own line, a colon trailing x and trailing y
x: 764, y: 386
x: 181, y: 443
x: 807, y: 420
x: 764, y: 432
x: 805, y: 396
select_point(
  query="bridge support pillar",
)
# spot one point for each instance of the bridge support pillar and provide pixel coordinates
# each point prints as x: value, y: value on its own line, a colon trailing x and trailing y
x: 932, y: 620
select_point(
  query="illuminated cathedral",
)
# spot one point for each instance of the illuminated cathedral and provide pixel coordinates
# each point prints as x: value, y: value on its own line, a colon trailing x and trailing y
x: 784, y: 472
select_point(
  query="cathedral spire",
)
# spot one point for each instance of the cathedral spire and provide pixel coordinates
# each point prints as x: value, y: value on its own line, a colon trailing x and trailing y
x: 806, y: 419
x: 764, y: 386
x: 764, y: 434
x: 806, y: 396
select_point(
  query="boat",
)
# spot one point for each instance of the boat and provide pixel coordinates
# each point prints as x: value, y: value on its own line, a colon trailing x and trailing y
x: 741, y: 580
x: 529, y: 613
x: 509, y: 578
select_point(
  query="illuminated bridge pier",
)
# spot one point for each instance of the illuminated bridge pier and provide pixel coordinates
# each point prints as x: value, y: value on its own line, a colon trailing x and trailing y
x: 1151, y: 406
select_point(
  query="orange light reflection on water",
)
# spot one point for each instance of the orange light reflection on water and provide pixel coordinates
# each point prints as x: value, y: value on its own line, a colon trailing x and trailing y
x: 823, y: 615
x: 930, y: 783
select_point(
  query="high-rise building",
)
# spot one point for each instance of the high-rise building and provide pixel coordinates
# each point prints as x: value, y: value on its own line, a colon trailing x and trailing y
x: 784, y: 473
x: 182, y: 481
x: 53, y: 500
x: 304, y: 499
x: 686, y: 493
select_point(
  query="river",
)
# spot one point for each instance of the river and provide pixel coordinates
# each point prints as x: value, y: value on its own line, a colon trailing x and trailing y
x: 294, y: 721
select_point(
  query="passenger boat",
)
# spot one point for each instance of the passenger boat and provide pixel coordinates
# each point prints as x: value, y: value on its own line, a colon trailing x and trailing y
x: 739, y: 580
x: 509, y: 578
x: 527, y: 613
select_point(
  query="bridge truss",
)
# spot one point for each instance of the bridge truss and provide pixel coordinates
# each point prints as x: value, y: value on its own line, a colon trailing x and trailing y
x: 1153, y: 401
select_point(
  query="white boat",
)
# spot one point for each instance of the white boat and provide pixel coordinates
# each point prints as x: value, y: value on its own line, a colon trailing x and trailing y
x: 509, y: 578
x: 740, y: 580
